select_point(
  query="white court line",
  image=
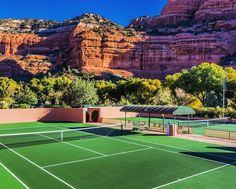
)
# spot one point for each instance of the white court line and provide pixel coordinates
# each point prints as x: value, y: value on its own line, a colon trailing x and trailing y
x: 36, y: 165
x: 14, y: 176
x: 195, y: 175
x: 21, y: 128
x: 77, y: 146
x: 110, y: 138
x: 146, y: 147
x: 87, y: 149
x: 173, y: 152
x: 35, y: 127
x: 185, y: 149
x: 160, y: 149
x: 87, y: 159
x: 169, y: 147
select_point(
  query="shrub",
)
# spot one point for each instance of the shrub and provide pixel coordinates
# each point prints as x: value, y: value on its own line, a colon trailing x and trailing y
x: 22, y: 106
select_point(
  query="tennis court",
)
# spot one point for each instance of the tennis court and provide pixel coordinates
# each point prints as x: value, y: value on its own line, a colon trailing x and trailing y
x: 70, y: 155
x: 196, y: 127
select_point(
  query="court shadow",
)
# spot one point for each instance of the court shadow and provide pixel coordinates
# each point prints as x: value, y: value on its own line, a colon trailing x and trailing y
x: 154, y: 134
x: 226, y: 148
x: 228, y: 157
x: 25, y: 144
x: 108, y: 131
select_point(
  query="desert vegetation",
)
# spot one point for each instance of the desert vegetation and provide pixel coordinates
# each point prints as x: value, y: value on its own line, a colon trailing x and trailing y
x: 199, y: 87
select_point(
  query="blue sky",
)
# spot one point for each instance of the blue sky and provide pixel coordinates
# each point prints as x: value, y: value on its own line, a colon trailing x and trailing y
x: 120, y: 11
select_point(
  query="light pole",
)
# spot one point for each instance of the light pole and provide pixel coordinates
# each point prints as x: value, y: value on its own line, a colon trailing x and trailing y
x: 224, y: 89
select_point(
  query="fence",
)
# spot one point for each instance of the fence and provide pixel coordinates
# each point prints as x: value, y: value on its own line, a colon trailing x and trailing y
x: 220, y: 134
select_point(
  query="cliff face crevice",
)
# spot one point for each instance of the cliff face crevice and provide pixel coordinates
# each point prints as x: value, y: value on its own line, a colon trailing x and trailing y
x: 187, y: 33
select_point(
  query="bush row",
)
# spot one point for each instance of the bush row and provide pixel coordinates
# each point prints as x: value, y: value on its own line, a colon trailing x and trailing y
x: 215, y: 112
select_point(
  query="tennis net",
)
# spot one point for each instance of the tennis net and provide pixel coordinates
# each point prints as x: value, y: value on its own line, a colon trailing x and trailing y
x: 37, y: 138
x: 198, y: 126
x: 204, y: 123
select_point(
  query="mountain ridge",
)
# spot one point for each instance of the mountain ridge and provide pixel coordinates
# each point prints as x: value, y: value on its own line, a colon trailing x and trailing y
x: 38, y: 26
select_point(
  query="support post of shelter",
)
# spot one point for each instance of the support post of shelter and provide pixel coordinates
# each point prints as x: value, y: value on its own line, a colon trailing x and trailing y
x: 125, y: 119
x: 122, y: 128
x: 149, y: 121
x: 164, y: 110
x: 188, y: 124
x: 174, y: 120
x: 163, y: 122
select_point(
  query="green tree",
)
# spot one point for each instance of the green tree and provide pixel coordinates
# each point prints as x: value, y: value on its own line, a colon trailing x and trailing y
x: 50, y: 90
x: 80, y: 92
x: 61, y: 83
x: 171, y: 80
x: 231, y: 86
x: 164, y: 97
x: 106, y: 91
x: 186, y: 99
x: 8, y: 88
x: 25, y: 96
x: 201, y: 81
x: 138, y: 91
x: 37, y: 87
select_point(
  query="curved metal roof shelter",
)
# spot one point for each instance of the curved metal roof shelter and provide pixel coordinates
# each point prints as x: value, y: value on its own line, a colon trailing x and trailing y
x: 170, y: 110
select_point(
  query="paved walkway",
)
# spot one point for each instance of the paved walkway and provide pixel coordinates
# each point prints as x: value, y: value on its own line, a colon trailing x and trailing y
x: 211, y: 140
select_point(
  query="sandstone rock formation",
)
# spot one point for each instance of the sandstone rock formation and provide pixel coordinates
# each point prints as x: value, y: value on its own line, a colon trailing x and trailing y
x: 25, y: 25
x: 175, y: 12
x: 213, y: 10
x: 187, y: 33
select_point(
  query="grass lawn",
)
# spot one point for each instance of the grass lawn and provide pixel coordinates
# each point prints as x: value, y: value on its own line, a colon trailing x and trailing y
x: 131, y: 160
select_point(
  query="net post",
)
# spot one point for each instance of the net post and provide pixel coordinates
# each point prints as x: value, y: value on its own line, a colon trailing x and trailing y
x: 149, y: 122
x: 61, y: 136
x: 188, y: 124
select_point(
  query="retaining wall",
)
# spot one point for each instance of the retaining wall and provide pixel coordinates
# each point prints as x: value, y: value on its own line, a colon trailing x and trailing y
x: 42, y: 114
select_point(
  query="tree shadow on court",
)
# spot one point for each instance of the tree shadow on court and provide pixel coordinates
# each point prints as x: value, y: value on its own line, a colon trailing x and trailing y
x: 225, y: 155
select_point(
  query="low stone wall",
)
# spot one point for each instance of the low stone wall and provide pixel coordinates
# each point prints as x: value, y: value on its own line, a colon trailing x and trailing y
x: 60, y: 114
x: 108, y: 112
x: 42, y: 114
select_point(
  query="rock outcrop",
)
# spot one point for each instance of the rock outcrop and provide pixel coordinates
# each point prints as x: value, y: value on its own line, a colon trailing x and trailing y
x: 213, y: 10
x: 25, y: 25
x: 187, y: 33
x: 74, y: 43
x: 182, y: 12
x: 174, y: 13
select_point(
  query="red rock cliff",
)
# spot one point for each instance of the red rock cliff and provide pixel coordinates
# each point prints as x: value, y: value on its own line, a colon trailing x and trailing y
x: 187, y: 33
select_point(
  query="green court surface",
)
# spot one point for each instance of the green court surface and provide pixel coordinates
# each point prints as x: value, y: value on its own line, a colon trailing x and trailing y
x: 8, y: 180
x: 108, y: 158
x: 219, y: 127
